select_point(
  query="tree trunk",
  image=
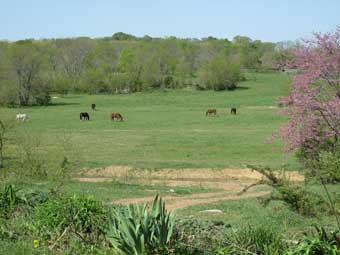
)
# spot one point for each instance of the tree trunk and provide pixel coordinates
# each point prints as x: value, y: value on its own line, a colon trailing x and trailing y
x: 1, y: 161
x: 2, y: 137
x: 1, y: 154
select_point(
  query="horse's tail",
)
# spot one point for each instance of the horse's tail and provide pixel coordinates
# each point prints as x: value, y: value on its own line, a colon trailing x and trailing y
x: 80, y: 115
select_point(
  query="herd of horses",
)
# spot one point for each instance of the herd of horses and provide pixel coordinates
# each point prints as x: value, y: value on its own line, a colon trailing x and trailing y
x: 116, y: 115
x: 86, y: 115
x: 210, y: 112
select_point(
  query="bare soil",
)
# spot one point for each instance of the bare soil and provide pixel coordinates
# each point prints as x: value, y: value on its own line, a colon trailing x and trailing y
x: 230, y: 180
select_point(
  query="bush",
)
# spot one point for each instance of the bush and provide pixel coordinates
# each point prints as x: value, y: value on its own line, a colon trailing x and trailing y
x: 254, y: 240
x: 198, y: 237
x: 329, y: 167
x: 67, y: 217
x: 221, y: 73
x: 322, y: 160
x: 14, y: 202
x: 9, y: 94
x: 296, y: 197
x: 319, y: 243
x: 169, y: 81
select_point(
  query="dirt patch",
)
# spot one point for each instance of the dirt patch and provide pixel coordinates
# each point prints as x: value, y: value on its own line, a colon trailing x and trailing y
x: 203, y: 174
x: 177, y: 202
x: 230, y: 180
x: 263, y: 107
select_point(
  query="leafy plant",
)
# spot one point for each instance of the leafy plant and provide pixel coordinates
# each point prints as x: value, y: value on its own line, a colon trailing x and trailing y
x: 66, y: 217
x: 198, y: 237
x: 254, y: 240
x: 321, y: 243
x: 296, y: 197
x: 139, y: 230
x: 9, y: 200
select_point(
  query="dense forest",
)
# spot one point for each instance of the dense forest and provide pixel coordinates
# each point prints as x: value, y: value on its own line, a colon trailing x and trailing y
x: 31, y: 70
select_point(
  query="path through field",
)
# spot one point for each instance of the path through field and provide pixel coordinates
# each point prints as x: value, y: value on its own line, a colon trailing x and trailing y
x: 229, y: 181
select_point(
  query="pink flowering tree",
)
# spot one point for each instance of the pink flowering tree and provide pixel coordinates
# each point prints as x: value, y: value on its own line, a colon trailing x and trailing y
x: 313, y: 105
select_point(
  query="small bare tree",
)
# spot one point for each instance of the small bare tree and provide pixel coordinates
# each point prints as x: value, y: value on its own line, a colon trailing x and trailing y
x: 3, y: 129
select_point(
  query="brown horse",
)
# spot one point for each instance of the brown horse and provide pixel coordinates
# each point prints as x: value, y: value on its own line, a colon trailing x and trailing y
x: 210, y: 112
x: 233, y: 111
x: 116, y: 115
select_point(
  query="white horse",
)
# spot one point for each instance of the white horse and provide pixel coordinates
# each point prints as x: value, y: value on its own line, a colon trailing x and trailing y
x: 22, y: 117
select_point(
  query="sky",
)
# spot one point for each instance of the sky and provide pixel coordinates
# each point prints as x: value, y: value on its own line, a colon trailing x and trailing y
x: 266, y: 20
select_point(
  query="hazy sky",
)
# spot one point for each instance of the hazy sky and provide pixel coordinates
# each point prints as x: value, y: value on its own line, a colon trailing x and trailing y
x: 268, y: 20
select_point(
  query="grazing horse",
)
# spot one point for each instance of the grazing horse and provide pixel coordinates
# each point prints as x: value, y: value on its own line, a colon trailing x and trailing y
x: 233, y: 110
x: 93, y: 106
x: 211, y: 111
x: 21, y: 117
x: 116, y: 115
x: 84, y: 116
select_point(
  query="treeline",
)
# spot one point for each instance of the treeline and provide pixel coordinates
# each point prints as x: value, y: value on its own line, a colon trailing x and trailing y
x: 30, y: 70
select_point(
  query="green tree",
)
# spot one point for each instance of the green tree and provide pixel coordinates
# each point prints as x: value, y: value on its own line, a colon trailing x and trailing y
x: 220, y: 73
x: 27, y: 61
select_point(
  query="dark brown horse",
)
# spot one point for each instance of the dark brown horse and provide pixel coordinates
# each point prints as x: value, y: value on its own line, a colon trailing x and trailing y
x: 84, y: 116
x: 210, y: 112
x: 233, y: 110
x: 116, y: 115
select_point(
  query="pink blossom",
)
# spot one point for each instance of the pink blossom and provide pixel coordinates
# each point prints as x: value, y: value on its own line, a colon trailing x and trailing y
x: 313, y: 104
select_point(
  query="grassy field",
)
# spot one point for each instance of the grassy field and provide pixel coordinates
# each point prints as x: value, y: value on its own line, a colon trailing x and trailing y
x: 164, y: 129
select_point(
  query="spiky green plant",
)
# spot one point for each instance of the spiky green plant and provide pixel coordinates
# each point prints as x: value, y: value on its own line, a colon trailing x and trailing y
x: 139, y: 230
x: 8, y: 200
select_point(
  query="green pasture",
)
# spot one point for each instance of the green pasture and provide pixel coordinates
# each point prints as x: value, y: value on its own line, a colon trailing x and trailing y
x: 163, y: 129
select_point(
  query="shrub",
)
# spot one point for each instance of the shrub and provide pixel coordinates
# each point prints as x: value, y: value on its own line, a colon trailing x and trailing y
x: 67, y: 217
x: 321, y: 160
x: 198, y: 237
x: 329, y: 167
x: 296, y: 197
x: 169, y: 81
x: 319, y: 243
x: 221, y: 73
x: 254, y: 240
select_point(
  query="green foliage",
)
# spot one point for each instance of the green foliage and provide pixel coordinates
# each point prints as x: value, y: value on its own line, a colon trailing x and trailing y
x: 9, y: 200
x: 67, y: 217
x: 14, y: 201
x: 25, y: 81
x: 319, y: 243
x: 139, y: 230
x: 328, y: 167
x: 300, y: 200
x: 262, y: 240
x: 198, y: 237
x: 30, y: 70
x: 120, y: 36
x: 9, y: 94
x: 221, y: 73
x: 296, y: 197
